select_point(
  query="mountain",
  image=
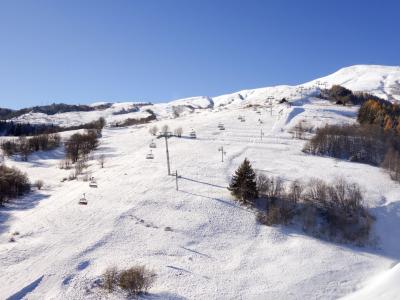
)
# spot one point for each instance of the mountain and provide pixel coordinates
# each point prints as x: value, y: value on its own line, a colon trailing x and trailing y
x: 382, y: 81
x: 188, y: 229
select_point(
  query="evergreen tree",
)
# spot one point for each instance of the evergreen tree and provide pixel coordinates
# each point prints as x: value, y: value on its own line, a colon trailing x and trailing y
x: 243, y: 184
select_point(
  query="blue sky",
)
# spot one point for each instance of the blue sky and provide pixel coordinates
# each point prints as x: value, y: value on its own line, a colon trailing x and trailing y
x: 86, y: 51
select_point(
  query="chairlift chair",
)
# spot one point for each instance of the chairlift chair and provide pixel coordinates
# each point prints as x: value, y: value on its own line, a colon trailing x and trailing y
x: 153, y: 145
x: 192, y: 134
x: 222, y: 127
x: 93, y: 183
x: 150, y: 155
x: 83, y: 200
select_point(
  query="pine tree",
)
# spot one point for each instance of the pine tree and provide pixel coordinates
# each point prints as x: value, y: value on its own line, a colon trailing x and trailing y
x: 243, y: 184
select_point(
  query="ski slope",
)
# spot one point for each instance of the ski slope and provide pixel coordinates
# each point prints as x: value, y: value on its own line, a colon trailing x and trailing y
x: 201, y: 244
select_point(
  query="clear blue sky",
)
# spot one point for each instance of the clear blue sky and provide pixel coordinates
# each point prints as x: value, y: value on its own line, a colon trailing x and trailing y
x: 85, y: 51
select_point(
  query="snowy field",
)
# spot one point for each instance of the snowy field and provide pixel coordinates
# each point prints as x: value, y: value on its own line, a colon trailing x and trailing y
x: 213, y: 248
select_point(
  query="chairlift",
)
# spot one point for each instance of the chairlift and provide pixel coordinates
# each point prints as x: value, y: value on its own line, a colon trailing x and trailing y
x: 150, y: 155
x: 192, y: 134
x: 242, y: 119
x: 152, y: 145
x: 83, y: 200
x: 222, y: 127
x: 93, y: 183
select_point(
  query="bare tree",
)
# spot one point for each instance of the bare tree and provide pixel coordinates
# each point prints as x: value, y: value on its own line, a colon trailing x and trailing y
x: 101, y: 160
x: 178, y: 131
x: 153, y: 130
x: 39, y: 184
x: 165, y: 129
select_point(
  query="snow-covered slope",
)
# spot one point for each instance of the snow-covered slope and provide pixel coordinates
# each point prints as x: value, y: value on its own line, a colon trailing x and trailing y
x: 382, y: 81
x: 382, y: 286
x: 200, y: 242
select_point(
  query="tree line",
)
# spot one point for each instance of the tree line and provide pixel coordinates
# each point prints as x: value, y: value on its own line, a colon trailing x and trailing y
x: 137, y: 121
x: 10, y: 128
x: 24, y: 146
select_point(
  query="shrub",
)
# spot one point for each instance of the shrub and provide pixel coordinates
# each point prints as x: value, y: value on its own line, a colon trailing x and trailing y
x: 39, y: 184
x: 135, y: 280
x: 110, y: 279
x: 277, y: 214
x: 269, y: 187
x: 13, y: 183
x: 334, y: 210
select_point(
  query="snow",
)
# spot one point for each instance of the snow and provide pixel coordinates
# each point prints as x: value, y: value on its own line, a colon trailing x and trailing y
x: 384, y: 286
x: 382, y: 81
x: 215, y: 249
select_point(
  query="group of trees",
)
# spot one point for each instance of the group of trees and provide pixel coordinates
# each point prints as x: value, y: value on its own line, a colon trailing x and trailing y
x: 370, y: 144
x: 13, y: 183
x: 137, y: 121
x: 381, y: 113
x: 80, y: 145
x: 25, y: 146
x: 343, y: 96
x: 10, y: 128
x: 154, y: 130
x: 334, y: 210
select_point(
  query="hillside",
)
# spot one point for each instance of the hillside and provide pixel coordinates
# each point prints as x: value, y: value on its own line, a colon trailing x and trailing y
x: 197, y: 239
x: 382, y: 81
